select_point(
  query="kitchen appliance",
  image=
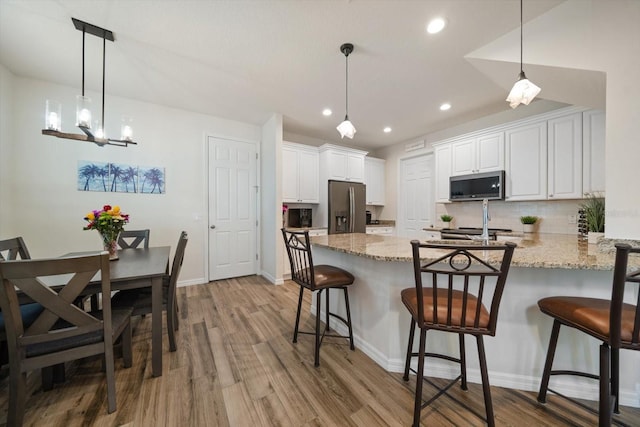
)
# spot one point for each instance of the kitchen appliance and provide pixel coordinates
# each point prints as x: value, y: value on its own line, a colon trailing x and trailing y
x: 368, y: 213
x: 477, y: 186
x: 300, y: 218
x: 466, y: 233
x: 346, y: 207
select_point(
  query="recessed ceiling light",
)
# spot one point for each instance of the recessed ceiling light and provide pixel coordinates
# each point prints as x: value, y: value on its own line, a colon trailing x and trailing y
x: 446, y: 106
x: 387, y: 129
x: 327, y: 112
x: 436, y: 25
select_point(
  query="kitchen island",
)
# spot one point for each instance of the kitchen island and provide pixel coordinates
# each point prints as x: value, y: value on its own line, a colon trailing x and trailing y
x: 543, y: 265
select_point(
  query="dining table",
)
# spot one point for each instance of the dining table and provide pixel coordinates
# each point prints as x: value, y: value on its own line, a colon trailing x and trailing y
x: 134, y: 269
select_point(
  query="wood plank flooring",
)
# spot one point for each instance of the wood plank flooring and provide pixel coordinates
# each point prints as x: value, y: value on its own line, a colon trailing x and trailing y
x: 236, y: 366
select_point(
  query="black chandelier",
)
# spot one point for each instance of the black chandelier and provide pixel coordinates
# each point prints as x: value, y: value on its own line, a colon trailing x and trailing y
x: 95, y: 134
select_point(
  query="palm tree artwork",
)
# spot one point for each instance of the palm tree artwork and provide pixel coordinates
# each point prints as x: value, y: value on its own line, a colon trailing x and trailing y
x: 121, y: 178
x: 91, y: 176
x: 152, y: 180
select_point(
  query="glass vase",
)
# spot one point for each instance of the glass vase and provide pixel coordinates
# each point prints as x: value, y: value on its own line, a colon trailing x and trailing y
x: 110, y: 245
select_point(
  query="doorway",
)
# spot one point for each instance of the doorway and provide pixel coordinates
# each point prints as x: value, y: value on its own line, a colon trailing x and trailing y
x: 416, y: 202
x: 232, y: 200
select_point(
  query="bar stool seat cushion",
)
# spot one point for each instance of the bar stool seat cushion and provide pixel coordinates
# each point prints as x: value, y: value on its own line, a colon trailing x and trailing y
x: 327, y: 276
x: 590, y: 315
x: 410, y: 300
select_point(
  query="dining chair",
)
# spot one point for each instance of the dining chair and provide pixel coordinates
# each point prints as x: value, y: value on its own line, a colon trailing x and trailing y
x: 613, y: 322
x: 139, y: 300
x: 318, y: 278
x: 62, y: 332
x: 131, y: 239
x: 11, y: 249
x: 14, y: 248
x: 465, y: 286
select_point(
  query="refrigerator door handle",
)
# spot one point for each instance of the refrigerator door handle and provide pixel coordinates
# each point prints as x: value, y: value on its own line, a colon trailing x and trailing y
x: 352, y: 209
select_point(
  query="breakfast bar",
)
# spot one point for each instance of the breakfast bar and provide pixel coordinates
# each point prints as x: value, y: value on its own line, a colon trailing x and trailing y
x: 543, y: 265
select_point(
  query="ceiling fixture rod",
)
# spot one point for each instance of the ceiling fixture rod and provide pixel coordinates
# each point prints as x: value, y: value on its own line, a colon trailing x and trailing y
x: 523, y: 90
x: 83, y: 112
x: 346, y: 128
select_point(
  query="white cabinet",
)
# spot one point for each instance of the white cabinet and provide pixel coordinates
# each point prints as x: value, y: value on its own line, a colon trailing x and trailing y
x: 564, y: 161
x: 483, y: 153
x: 342, y: 164
x: 300, y: 173
x: 381, y: 231
x: 526, y: 162
x: 318, y: 232
x: 443, y: 172
x: 374, y: 180
x: 593, y: 152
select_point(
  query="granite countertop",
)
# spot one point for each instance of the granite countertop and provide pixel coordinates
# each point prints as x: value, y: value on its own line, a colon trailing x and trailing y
x: 537, y: 250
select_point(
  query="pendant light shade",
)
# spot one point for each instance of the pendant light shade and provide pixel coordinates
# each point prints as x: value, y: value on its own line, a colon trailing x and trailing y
x: 346, y: 128
x: 523, y: 90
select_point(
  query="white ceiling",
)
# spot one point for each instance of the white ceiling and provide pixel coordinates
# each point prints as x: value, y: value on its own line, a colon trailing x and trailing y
x: 244, y: 60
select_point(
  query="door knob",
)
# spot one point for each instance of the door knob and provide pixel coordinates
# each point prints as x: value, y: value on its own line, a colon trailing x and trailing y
x: 212, y: 227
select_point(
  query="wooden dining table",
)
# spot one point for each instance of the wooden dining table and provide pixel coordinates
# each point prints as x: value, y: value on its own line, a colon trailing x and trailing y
x: 140, y: 268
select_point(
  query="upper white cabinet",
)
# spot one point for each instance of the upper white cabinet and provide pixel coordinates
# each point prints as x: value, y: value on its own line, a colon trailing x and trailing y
x: 483, y: 153
x: 374, y: 180
x: 526, y: 162
x: 300, y: 173
x: 564, y: 162
x: 342, y: 164
x: 593, y: 153
x: 443, y: 172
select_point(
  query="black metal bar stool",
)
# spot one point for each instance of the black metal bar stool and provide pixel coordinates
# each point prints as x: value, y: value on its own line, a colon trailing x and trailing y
x: 463, y: 283
x: 316, y: 278
x: 614, y: 322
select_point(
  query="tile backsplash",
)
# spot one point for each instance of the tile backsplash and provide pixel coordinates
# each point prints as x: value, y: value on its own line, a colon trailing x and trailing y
x: 554, y: 216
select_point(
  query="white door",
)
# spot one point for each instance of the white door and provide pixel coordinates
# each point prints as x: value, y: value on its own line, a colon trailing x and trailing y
x: 232, y: 209
x: 417, y: 199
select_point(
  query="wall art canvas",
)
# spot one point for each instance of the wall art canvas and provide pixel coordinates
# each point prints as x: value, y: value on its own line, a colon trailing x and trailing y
x: 151, y: 180
x: 93, y: 176
x: 123, y: 178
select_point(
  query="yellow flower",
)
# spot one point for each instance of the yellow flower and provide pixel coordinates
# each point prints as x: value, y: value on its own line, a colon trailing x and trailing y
x: 116, y: 210
x: 91, y: 216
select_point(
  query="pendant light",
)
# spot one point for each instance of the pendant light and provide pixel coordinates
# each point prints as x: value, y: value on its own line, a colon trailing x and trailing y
x: 523, y: 90
x: 346, y: 128
x: 92, y: 132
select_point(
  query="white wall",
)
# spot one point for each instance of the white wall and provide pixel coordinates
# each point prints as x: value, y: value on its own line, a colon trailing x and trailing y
x: 6, y: 118
x: 271, y: 199
x: 38, y: 173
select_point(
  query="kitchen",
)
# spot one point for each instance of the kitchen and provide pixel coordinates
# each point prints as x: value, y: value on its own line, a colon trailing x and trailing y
x: 175, y: 129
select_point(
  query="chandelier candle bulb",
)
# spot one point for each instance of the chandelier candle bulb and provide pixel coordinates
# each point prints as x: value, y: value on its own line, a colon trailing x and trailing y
x: 83, y: 112
x: 126, y: 130
x: 53, y: 115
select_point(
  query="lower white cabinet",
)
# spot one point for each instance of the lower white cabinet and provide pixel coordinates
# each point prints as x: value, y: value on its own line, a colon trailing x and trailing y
x: 383, y: 231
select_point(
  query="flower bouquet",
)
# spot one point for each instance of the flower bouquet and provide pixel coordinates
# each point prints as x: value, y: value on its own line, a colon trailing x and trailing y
x: 109, y: 222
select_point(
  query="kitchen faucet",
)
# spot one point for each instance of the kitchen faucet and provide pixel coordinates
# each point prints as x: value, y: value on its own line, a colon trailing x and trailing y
x: 485, y: 221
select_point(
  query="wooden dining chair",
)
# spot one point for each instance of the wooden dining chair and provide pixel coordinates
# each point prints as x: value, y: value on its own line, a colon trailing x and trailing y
x: 613, y: 322
x: 62, y: 332
x: 318, y: 278
x: 131, y: 239
x: 139, y: 300
x: 13, y: 248
x: 462, y: 296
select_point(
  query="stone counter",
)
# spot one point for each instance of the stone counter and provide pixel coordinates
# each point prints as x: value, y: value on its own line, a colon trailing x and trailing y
x: 536, y: 251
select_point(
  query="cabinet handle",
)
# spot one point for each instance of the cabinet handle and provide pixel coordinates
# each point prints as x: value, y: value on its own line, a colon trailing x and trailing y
x: 550, y: 195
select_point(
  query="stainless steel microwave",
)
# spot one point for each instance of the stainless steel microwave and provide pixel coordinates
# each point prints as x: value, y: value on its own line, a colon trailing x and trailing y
x: 477, y: 186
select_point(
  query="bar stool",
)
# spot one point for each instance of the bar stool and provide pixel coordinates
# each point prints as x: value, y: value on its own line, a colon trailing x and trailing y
x: 462, y: 285
x: 614, y: 322
x: 316, y: 278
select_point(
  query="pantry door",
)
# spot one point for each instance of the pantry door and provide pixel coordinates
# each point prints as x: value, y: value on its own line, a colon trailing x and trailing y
x: 232, y: 208
x: 416, y: 201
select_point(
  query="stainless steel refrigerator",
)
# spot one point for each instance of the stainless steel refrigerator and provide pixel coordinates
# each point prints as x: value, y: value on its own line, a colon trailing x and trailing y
x: 347, y: 212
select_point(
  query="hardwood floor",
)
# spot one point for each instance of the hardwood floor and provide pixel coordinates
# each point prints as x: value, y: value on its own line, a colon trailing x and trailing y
x: 236, y: 366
